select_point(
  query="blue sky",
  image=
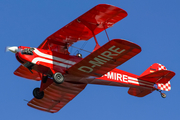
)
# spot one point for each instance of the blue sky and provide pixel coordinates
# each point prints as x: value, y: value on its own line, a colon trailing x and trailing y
x: 152, y: 24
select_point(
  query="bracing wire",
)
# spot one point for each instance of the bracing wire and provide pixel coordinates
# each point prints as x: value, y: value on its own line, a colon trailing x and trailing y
x: 81, y: 49
x: 106, y: 33
x: 84, y: 44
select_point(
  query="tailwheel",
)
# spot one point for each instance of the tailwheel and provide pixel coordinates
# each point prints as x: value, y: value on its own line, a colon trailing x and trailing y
x: 163, y: 95
x: 38, y: 94
x: 58, y: 78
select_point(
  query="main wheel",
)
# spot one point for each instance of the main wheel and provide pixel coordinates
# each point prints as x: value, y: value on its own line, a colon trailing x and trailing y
x: 163, y: 95
x: 38, y: 94
x: 58, y: 78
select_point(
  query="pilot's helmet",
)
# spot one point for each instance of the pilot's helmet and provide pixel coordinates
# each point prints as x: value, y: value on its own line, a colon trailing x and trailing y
x: 79, y: 55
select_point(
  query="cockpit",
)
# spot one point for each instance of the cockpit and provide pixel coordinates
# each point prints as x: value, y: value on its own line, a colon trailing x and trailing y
x: 27, y: 51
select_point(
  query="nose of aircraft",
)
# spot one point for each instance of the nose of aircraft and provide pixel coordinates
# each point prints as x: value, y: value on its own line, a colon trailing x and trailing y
x: 13, y: 49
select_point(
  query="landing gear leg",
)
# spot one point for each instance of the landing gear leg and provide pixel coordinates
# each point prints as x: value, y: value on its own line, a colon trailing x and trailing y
x: 163, y: 95
x: 44, y: 78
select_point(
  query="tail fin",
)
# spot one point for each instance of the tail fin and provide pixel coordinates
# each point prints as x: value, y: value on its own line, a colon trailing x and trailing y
x: 158, y: 74
x: 153, y: 68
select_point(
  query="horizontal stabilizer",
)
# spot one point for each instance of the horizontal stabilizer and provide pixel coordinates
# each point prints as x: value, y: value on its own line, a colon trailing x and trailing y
x: 161, y: 76
x: 22, y: 71
x: 139, y: 92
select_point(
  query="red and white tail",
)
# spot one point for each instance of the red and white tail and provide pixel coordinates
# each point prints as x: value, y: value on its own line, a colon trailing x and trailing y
x: 157, y: 74
x: 165, y: 87
x: 156, y: 68
x: 153, y: 68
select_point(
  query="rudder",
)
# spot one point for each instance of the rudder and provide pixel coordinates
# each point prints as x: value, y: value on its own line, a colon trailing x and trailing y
x: 165, y: 87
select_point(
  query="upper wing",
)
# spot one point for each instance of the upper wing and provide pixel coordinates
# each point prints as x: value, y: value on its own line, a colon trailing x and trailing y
x: 95, y: 20
x: 57, y: 96
x: 106, y: 58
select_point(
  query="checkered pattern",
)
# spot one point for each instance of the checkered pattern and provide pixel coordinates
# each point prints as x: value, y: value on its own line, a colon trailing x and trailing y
x: 165, y: 87
x: 161, y: 67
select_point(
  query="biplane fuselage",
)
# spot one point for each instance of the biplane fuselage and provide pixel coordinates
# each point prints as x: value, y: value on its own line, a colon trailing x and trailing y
x: 64, y: 76
x: 49, y: 62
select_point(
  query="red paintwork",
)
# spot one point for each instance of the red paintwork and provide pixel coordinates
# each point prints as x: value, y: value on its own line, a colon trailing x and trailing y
x: 97, y: 68
x: 22, y: 71
x: 157, y: 76
x: 110, y: 55
x: 56, y: 96
x: 84, y: 27
x: 41, y: 66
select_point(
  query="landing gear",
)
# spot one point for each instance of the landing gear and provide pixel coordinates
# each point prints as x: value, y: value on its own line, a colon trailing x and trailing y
x: 44, y: 78
x: 58, y: 78
x: 163, y: 95
x: 38, y: 94
x: 29, y: 66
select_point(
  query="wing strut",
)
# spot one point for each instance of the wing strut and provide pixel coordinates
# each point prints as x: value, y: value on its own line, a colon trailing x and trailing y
x: 106, y: 33
x: 91, y: 27
x: 97, y: 45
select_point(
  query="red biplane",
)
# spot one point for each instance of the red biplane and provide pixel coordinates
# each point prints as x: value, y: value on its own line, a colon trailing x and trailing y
x: 63, y: 76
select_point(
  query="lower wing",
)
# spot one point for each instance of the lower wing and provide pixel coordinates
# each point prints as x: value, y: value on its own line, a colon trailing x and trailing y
x: 57, y: 96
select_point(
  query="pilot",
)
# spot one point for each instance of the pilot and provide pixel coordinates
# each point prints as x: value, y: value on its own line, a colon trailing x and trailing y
x: 28, y: 51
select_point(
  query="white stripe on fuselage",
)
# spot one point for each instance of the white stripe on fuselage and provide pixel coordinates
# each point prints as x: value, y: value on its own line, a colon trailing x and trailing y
x: 64, y: 62
x: 141, y: 81
x: 53, y: 57
x: 35, y: 60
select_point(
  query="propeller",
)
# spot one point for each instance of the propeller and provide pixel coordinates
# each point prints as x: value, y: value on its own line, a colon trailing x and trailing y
x: 13, y: 49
